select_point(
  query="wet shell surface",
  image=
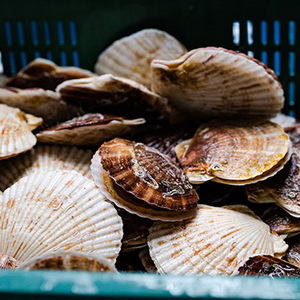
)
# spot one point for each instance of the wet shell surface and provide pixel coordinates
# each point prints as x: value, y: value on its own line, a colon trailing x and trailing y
x: 293, y: 254
x: 45, y: 74
x: 216, y: 241
x: 211, y: 82
x: 15, y: 127
x: 88, y: 130
x: 266, y: 265
x: 68, y: 261
x: 143, y: 181
x: 131, y: 56
x: 45, y: 158
x: 234, y: 152
x: 60, y: 210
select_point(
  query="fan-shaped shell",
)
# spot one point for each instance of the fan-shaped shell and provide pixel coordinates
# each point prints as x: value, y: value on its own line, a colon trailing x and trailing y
x: 216, y: 241
x: 234, y: 152
x: 211, y: 82
x: 59, y: 210
x: 68, y: 261
x: 143, y: 181
x: 88, y: 130
x: 45, y: 74
x: 15, y: 127
x: 45, y: 158
x: 131, y: 56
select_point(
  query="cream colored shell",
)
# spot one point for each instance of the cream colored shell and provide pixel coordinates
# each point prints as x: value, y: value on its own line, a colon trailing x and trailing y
x: 216, y: 241
x: 284, y: 120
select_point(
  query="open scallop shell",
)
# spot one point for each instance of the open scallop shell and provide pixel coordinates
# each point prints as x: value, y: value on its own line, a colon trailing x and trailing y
x: 88, y: 130
x: 143, y: 181
x: 216, y: 241
x: 15, y: 127
x: 211, y: 82
x: 45, y: 158
x: 239, y: 152
x: 131, y: 56
x: 45, y: 74
x: 60, y: 210
x: 68, y: 261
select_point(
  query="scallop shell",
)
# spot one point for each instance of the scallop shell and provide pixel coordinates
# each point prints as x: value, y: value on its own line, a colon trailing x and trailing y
x: 266, y: 265
x: 131, y: 56
x: 60, y: 210
x: 283, y: 120
x: 68, y: 261
x: 147, y: 261
x: 211, y: 82
x: 294, y: 132
x: 143, y: 181
x: 16, y: 127
x: 8, y: 263
x: 45, y: 74
x: 234, y: 152
x: 45, y: 158
x: 216, y: 241
x: 88, y: 130
x: 293, y: 254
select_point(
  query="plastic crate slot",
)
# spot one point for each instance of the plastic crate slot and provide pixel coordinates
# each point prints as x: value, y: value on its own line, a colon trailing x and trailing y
x: 236, y: 33
x: 34, y: 33
x: 20, y: 30
x: 12, y: 62
x: 264, y: 32
x: 63, y: 58
x: 276, y: 33
x: 37, y: 54
x: 291, y: 93
x: 23, y: 57
x: 8, y: 33
x: 73, y: 33
x: 249, y: 32
x: 1, y: 63
x: 75, y: 58
x: 264, y: 57
x: 292, y: 113
x: 250, y: 53
x: 292, y: 31
x: 47, y: 33
x: 60, y: 32
x: 292, y: 61
x: 49, y: 55
x: 277, y: 62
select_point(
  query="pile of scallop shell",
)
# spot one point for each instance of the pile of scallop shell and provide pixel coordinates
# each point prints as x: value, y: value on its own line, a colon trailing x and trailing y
x: 148, y: 165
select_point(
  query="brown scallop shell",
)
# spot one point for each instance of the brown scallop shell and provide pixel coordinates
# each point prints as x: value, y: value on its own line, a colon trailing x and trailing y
x: 147, y: 174
x: 45, y: 74
x: 267, y: 265
x: 293, y: 253
x: 234, y: 152
x: 88, y: 130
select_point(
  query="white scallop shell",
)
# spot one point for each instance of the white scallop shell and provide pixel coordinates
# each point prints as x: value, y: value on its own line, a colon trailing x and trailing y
x: 45, y: 158
x: 216, y: 241
x: 15, y: 127
x: 283, y: 120
x: 59, y: 210
x: 131, y: 56
x: 208, y: 82
x: 106, y: 186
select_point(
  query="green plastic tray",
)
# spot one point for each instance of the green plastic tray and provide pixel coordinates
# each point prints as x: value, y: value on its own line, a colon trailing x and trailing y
x: 74, y: 32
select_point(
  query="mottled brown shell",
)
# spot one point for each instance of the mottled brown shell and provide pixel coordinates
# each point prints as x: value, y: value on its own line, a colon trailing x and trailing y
x: 147, y: 174
x: 293, y: 253
x: 267, y: 265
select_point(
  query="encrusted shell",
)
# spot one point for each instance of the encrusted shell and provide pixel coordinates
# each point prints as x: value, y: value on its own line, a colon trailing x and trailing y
x: 266, y: 265
x: 143, y: 181
x: 45, y: 158
x: 45, y: 74
x: 231, y: 152
x: 216, y: 241
x: 15, y: 127
x: 211, y: 82
x: 68, y: 261
x: 293, y: 254
x: 131, y: 56
x: 88, y: 130
x: 60, y: 210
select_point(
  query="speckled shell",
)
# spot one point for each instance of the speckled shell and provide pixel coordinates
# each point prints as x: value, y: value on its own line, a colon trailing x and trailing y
x: 68, y: 261
x: 216, y: 241
x: 60, y: 210
x: 131, y: 56
x: 45, y: 158
x: 266, y: 265
x: 238, y: 152
x: 88, y: 130
x: 293, y: 254
x: 283, y: 120
x: 45, y: 74
x: 15, y: 127
x: 146, y: 207
x: 211, y: 82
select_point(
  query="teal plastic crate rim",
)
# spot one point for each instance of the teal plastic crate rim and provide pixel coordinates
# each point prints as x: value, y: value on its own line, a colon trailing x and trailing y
x: 135, y: 285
